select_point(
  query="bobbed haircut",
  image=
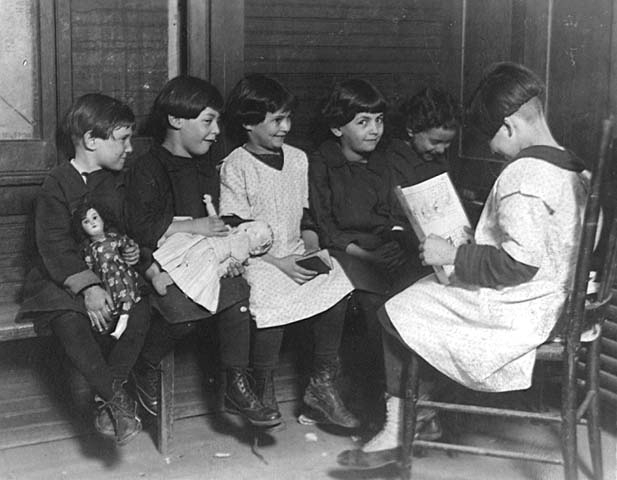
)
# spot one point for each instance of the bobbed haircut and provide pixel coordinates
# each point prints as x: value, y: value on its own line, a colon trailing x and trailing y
x: 350, y: 97
x: 96, y: 113
x: 431, y: 108
x: 182, y: 97
x: 109, y: 219
x: 503, y: 89
x: 251, y: 99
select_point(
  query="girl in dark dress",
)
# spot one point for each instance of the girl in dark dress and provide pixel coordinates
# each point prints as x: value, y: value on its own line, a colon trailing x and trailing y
x: 351, y: 193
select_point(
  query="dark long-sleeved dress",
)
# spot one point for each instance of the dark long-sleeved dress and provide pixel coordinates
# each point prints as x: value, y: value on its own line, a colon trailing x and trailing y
x: 60, y: 272
x: 355, y: 203
x: 162, y: 186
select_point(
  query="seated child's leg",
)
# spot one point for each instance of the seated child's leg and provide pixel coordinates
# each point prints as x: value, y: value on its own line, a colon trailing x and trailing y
x: 124, y: 353
x: 327, y: 332
x: 75, y: 333
x: 234, y: 331
x: 321, y: 394
x: 161, y: 339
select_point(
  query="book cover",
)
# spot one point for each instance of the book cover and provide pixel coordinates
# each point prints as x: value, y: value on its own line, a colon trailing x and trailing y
x: 318, y: 261
x: 433, y: 206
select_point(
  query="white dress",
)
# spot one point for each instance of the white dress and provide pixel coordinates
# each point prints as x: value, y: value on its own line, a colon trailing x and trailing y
x: 485, y: 338
x: 253, y: 190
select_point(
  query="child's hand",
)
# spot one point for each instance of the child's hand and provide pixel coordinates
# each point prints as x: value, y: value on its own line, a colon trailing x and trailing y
x: 130, y: 254
x: 99, y: 306
x: 294, y: 271
x: 209, y: 227
x: 389, y: 255
x: 435, y: 250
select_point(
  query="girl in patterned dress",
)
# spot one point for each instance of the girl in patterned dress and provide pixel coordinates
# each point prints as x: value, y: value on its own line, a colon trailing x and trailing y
x: 266, y: 179
x: 103, y: 255
x: 509, y: 287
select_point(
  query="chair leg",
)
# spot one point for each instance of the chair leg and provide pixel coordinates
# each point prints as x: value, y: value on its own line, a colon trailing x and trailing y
x: 593, y: 412
x: 568, y: 415
x: 409, y: 416
x: 165, y: 418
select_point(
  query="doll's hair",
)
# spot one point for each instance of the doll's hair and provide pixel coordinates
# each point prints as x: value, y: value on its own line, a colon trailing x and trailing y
x: 95, y: 113
x: 430, y: 108
x: 182, y: 97
x: 350, y: 97
x: 109, y: 219
x: 503, y: 89
x: 251, y: 99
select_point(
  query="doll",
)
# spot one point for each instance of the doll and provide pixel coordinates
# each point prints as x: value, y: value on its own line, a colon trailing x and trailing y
x: 103, y: 255
x: 196, y: 263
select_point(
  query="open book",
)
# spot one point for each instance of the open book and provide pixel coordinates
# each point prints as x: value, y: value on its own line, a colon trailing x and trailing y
x: 433, y: 206
x: 318, y: 261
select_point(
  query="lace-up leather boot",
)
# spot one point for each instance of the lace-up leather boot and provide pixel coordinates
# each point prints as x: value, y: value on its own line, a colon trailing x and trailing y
x: 321, y: 395
x: 240, y: 398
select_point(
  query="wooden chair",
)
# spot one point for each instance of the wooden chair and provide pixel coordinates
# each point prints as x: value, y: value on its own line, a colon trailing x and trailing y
x: 579, y: 311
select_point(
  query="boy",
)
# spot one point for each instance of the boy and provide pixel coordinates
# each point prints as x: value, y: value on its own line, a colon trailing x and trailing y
x: 167, y: 185
x: 61, y: 289
x: 510, y: 286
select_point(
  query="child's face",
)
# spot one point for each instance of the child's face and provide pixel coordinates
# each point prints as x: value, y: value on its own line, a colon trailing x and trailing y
x: 269, y: 135
x: 111, y: 152
x: 93, y: 224
x: 432, y: 143
x: 197, y: 134
x: 362, y: 134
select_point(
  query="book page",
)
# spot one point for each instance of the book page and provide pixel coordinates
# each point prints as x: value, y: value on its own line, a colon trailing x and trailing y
x: 433, y: 207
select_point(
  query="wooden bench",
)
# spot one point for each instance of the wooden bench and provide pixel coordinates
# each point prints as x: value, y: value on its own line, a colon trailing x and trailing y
x: 11, y: 330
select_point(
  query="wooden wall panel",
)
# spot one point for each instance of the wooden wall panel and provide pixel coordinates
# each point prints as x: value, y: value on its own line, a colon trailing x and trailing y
x: 398, y: 45
x: 579, y: 73
x: 119, y: 48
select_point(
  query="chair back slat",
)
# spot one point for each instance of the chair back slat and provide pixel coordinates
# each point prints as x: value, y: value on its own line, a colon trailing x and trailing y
x: 575, y: 309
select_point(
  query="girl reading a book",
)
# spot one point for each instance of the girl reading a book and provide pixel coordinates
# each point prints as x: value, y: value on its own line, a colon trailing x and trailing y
x: 509, y: 288
x: 266, y: 179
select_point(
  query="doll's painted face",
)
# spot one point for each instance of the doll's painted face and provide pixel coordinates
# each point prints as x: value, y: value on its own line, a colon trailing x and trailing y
x: 260, y: 236
x: 93, y: 224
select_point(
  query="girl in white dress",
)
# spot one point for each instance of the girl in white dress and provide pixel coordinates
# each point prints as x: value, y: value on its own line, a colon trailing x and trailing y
x: 509, y: 287
x: 265, y: 179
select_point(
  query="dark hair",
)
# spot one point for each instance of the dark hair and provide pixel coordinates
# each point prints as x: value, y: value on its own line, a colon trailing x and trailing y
x: 350, y: 97
x: 251, y: 99
x: 181, y: 97
x: 96, y: 113
x: 503, y: 89
x: 80, y: 212
x: 430, y: 108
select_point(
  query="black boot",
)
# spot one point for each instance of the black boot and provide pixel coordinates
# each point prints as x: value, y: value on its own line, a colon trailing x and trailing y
x: 264, y: 389
x: 123, y: 413
x: 145, y: 380
x: 240, y: 398
x: 322, y: 396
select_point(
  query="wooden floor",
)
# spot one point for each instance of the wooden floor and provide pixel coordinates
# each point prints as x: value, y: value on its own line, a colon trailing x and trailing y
x: 43, y: 437
x: 39, y: 403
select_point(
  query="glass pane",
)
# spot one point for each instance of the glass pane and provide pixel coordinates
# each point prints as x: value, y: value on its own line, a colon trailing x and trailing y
x: 19, y: 93
x: 120, y: 48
